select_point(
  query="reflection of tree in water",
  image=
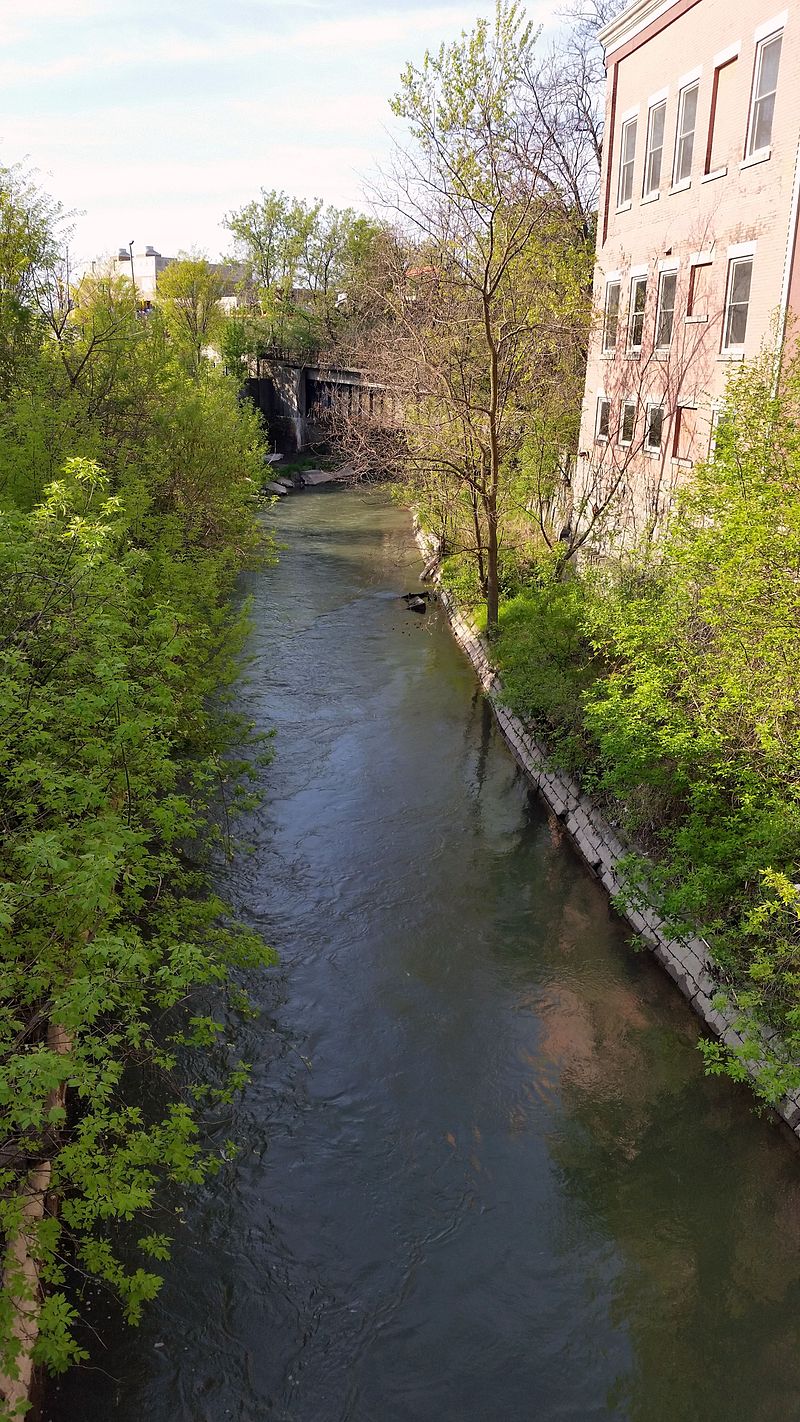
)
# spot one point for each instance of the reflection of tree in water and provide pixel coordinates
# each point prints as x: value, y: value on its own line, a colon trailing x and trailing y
x: 482, y: 715
x: 700, y: 1199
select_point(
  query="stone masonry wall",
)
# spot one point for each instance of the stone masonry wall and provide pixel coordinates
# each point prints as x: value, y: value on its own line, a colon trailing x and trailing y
x: 687, y: 960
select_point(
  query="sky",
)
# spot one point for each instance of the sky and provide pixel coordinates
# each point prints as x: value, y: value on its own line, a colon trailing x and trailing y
x: 150, y: 119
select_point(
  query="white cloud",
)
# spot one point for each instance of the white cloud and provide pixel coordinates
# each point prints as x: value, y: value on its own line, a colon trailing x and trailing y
x: 20, y: 22
x: 346, y: 34
x: 157, y: 118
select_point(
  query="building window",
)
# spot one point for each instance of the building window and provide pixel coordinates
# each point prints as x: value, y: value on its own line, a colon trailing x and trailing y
x: 684, y: 137
x: 627, y: 424
x: 603, y: 418
x: 697, y: 301
x: 720, y: 123
x: 737, y: 301
x: 665, y: 314
x: 636, y: 313
x: 684, y: 438
x: 765, y: 84
x: 655, y: 148
x: 653, y: 428
x: 627, y: 153
x: 611, y: 316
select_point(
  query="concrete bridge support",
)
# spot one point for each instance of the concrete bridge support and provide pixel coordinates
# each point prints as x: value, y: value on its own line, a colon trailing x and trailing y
x: 294, y: 399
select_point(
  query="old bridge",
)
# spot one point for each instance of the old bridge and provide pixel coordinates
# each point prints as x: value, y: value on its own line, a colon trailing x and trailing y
x: 301, y: 402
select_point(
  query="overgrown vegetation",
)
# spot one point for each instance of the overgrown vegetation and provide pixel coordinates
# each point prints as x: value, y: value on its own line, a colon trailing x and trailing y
x: 482, y: 292
x: 127, y: 472
x: 301, y: 287
x: 670, y: 684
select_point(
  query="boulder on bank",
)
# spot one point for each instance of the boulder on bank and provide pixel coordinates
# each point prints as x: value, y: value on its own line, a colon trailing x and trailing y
x: 416, y: 602
x: 328, y: 476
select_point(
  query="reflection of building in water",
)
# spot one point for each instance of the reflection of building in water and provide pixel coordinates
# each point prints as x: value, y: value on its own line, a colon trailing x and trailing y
x: 693, y: 1200
x: 697, y: 247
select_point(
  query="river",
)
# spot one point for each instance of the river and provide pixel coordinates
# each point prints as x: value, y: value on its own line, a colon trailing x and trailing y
x: 482, y: 1177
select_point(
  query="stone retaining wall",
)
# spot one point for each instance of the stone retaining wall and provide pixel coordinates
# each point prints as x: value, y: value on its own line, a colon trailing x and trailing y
x: 687, y: 960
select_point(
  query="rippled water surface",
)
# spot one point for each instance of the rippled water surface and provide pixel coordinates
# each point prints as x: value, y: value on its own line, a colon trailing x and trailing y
x: 482, y: 1176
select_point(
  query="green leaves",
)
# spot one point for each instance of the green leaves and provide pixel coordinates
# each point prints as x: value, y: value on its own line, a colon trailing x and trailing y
x: 671, y: 684
x: 115, y: 636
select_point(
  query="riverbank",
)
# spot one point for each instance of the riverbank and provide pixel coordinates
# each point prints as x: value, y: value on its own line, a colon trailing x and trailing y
x: 686, y: 958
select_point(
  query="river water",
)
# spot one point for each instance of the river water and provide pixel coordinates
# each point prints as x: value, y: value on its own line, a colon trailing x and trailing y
x: 482, y: 1177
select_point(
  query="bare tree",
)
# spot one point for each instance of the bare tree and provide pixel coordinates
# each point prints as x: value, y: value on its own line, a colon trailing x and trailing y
x: 484, y: 290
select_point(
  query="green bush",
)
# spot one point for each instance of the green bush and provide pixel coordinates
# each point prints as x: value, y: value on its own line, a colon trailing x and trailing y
x: 548, y: 664
x: 671, y: 685
x: 127, y: 511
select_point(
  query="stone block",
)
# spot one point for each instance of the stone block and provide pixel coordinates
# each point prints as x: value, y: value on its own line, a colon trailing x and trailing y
x: 636, y: 921
x: 610, y: 880
x: 706, y: 983
x: 607, y: 856
x: 701, y: 1005
x: 717, y: 1021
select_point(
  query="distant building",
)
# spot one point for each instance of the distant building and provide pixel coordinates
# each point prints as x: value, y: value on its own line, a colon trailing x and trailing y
x: 147, y: 268
x: 697, y: 251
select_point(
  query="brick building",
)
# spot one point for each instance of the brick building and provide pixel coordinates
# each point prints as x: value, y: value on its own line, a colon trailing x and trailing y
x: 697, y: 249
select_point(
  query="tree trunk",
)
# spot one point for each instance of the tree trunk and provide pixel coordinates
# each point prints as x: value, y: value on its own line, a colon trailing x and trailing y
x: 476, y: 522
x: 490, y: 498
x: 492, y: 575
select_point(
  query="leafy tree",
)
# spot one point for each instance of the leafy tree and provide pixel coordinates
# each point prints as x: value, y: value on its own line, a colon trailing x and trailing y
x: 126, y: 512
x: 669, y: 680
x: 103, y: 922
x: 337, y: 247
x: 487, y: 313
x: 31, y: 227
x: 270, y: 237
x: 189, y: 295
x: 302, y: 262
x: 270, y: 234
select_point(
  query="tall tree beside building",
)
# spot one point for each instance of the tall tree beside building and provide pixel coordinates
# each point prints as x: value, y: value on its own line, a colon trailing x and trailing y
x: 486, y: 324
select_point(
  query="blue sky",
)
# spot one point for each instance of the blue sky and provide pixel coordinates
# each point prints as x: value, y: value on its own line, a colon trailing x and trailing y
x: 155, y: 117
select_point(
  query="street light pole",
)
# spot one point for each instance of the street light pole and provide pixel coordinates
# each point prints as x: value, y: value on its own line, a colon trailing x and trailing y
x: 133, y: 278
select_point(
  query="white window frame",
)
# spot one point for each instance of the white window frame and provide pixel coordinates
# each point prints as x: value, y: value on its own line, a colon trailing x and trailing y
x: 602, y: 438
x: 755, y: 99
x: 648, y: 447
x: 637, y: 279
x: 679, y: 178
x: 606, y: 347
x: 657, y: 104
x: 626, y: 164
x: 736, y: 256
x: 627, y: 404
x: 663, y: 275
